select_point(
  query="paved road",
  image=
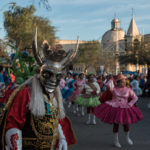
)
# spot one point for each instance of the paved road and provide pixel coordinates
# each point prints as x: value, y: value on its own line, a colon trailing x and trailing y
x: 100, y: 137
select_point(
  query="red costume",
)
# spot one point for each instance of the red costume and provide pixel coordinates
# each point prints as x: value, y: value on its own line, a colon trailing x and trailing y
x: 33, y: 118
x: 18, y: 116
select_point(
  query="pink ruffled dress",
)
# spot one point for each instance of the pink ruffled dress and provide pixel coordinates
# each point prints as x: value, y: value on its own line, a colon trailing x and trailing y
x: 77, y: 89
x: 121, y: 108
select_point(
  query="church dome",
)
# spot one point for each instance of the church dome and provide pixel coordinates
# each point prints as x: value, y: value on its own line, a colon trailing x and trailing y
x: 113, y: 35
x: 115, y: 20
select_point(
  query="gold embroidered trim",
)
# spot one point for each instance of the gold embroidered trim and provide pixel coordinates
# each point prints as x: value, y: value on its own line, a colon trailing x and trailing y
x: 55, y: 135
x: 45, y: 141
x: 52, y: 124
x: 28, y: 141
x: 40, y: 144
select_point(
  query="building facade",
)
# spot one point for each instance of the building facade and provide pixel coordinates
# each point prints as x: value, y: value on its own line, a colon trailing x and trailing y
x: 116, y: 42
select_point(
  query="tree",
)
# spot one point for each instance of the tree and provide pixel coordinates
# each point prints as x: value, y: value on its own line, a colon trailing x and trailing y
x: 89, y: 54
x: 20, y: 24
x: 108, y: 59
x: 45, y: 3
x: 2, y: 49
x: 146, y: 53
x: 138, y: 53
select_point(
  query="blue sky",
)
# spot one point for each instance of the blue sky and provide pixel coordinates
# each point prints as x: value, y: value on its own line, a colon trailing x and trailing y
x: 89, y: 19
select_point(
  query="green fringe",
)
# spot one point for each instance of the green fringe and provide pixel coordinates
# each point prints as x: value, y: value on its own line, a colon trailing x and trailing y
x: 93, y: 101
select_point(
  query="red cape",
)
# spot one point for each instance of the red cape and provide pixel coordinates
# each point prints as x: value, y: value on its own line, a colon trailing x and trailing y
x: 17, y: 114
x: 107, y: 95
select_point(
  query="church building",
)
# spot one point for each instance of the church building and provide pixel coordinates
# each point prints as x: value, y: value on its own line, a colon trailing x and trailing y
x: 115, y: 42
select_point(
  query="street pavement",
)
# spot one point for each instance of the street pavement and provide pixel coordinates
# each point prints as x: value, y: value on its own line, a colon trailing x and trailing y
x: 100, y: 136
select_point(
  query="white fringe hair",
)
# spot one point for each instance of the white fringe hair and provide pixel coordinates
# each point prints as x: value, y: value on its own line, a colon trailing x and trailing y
x: 36, y: 105
x: 59, y: 99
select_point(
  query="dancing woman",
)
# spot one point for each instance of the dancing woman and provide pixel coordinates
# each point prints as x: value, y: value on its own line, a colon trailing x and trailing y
x: 119, y: 107
x: 89, y: 97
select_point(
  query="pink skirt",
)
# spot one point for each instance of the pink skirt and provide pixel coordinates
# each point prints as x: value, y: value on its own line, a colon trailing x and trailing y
x: 111, y: 115
x: 74, y: 95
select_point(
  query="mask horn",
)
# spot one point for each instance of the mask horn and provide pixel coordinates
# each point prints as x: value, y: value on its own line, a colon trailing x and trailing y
x: 35, y: 48
x: 71, y: 55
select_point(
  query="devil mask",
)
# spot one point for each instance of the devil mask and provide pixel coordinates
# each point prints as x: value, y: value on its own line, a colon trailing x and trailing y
x: 52, y: 63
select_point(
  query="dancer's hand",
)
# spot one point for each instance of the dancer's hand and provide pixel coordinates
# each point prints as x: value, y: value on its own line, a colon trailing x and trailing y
x: 130, y: 104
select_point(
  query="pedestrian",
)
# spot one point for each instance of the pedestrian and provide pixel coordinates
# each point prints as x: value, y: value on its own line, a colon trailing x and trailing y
x: 100, y: 81
x: 65, y: 90
x: 119, y: 107
x: 1, y: 75
x: 6, y: 77
x: 89, y: 98
x: 110, y: 82
x: 78, y: 84
x: 135, y: 86
x: 62, y: 82
x: 142, y: 82
x: 146, y: 91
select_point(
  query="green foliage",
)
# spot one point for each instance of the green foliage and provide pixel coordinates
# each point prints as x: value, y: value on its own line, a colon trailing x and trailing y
x: 109, y: 61
x: 3, y: 49
x: 23, y: 66
x: 126, y: 59
x: 146, y: 50
x: 20, y: 24
x: 89, y: 54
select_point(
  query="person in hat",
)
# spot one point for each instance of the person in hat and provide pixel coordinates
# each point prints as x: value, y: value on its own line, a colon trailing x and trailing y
x: 110, y: 82
x: 118, y: 107
x: 79, y: 82
x: 66, y: 91
x: 89, y: 98
x: 71, y: 90
x: 135, y: 86
x: 1, y: 75
x: 34, y: 117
